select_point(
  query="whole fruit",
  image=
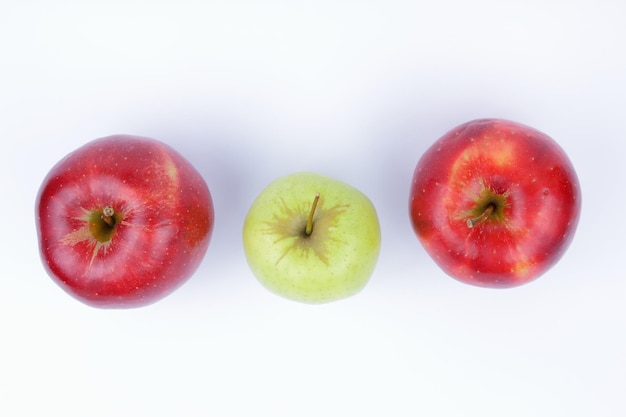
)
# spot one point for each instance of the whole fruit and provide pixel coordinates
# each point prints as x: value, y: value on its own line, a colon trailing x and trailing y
x: 495, y: 203
x: 311, y: 238
x: 123, y: 221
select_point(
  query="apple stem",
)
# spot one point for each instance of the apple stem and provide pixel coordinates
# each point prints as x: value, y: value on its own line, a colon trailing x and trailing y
x: 484, y: 216
x: 107, y: 216
x: 309, y: 223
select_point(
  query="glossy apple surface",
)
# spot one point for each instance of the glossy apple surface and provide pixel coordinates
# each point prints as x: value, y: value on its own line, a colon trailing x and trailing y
x: 334, y: 259
x: 495, y: 203
x: 123, y: 221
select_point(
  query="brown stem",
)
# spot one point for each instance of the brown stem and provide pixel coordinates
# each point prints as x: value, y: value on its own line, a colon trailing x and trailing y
x: 309, y: 223
x: 107, y: 216
x: 484, y: 216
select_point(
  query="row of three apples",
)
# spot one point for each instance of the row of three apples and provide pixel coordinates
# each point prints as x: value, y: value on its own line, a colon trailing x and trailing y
x: 123, y: 221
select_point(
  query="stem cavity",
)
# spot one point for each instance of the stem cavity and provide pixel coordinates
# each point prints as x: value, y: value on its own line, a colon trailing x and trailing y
x: 471, y: 223
x: 309, y: 224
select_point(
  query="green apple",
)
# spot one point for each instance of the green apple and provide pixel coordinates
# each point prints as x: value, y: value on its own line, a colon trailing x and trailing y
x: 311, y: 238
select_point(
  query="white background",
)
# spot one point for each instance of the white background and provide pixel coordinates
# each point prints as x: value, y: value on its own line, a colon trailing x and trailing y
x: 250, y: 91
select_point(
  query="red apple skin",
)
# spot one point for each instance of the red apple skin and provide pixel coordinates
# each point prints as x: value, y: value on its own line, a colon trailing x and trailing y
x: 164, y: 221
x: 534, y: 187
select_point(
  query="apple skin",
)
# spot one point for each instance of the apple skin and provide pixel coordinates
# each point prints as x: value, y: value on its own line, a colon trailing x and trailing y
x: 335, y: 261
x: 534, y: 191
x: 162, y: 223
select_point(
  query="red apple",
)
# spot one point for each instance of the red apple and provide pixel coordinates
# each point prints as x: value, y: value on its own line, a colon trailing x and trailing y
x: 123, y: 221
x: 495, y: 203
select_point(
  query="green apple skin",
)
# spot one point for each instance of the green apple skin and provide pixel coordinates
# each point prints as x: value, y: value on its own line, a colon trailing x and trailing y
x: 335, y: 261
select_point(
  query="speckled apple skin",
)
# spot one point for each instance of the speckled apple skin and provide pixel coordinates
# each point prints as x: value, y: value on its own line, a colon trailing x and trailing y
x: 543, y: 202
x: 165, y: 232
